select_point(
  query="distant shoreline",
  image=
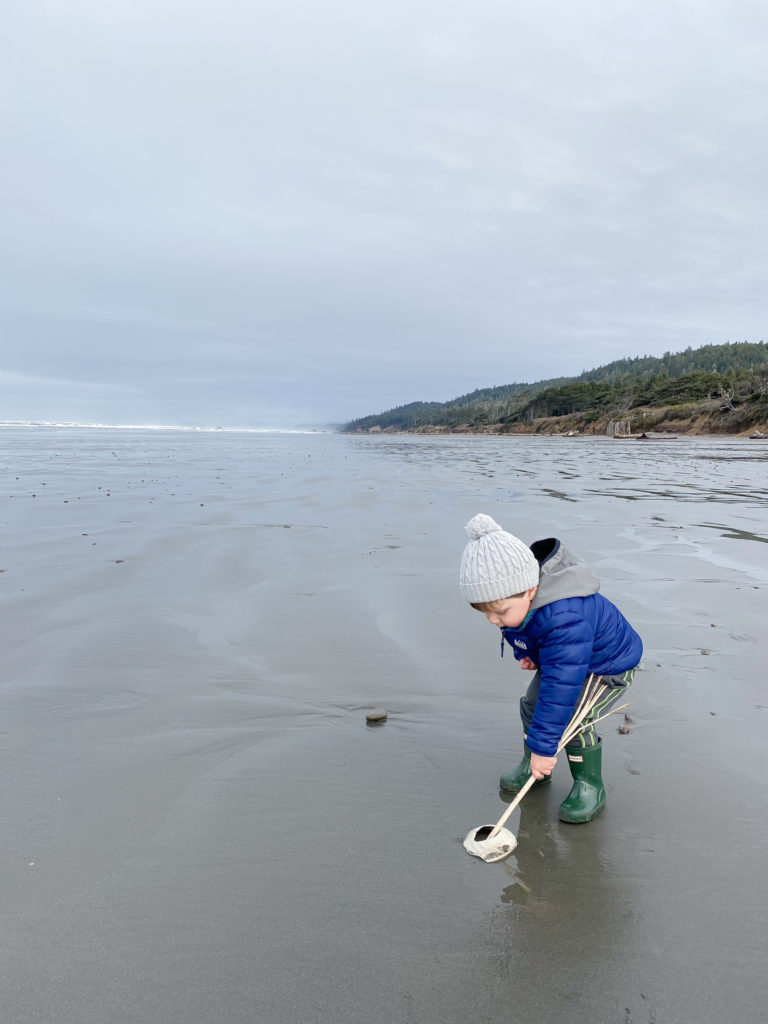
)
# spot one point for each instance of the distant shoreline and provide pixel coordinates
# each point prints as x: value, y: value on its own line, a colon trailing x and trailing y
x: 745, y: 435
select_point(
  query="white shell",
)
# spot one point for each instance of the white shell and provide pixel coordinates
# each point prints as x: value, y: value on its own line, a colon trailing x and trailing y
x: 490, y: 850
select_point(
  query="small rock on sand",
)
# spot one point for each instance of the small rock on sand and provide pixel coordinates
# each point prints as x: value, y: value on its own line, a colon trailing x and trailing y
x: 377, y: 717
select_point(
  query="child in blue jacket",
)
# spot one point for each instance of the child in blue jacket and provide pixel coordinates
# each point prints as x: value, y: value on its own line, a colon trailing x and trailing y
x: 546, y: 603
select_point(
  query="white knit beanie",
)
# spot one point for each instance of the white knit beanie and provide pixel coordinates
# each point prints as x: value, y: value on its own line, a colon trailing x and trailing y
x: 495, y: 564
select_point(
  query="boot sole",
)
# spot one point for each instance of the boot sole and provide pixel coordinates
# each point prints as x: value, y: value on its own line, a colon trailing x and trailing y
x: 581, y: 821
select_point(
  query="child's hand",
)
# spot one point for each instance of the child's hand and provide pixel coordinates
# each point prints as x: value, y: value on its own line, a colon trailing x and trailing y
x: 542, y: 766
x: 527, y: 663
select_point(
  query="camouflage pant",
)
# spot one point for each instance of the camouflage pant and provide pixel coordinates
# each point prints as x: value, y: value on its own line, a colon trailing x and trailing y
x: 618, y: 686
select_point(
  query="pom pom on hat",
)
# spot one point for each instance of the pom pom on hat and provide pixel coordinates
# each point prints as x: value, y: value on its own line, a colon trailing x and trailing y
x: 495, y: 564
x: 481, y: 524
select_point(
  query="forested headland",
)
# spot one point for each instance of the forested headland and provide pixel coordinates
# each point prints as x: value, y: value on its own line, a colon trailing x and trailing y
x: 715, y: 389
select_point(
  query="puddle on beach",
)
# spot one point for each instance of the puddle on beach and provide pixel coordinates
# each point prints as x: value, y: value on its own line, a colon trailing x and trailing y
x: 731, y: 533
x: 557, y: 494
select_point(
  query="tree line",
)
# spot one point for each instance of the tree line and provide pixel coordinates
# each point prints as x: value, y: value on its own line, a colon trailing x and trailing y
x: 736, y: 372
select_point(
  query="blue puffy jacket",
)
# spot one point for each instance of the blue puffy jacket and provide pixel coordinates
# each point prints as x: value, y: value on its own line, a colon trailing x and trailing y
x: 571, y: 631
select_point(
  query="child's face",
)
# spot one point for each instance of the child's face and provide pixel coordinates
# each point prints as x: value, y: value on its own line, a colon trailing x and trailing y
x: 510, y: 611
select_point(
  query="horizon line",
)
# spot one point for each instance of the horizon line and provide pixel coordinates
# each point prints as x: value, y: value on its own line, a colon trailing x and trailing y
x: 198, y: 428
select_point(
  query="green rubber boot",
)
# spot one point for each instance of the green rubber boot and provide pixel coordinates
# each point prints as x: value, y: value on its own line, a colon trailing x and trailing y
x: 514, y: 780
x: 587, y: 796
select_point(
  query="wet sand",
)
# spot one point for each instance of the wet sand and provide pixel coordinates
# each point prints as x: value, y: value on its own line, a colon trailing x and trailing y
x: 199, y: 826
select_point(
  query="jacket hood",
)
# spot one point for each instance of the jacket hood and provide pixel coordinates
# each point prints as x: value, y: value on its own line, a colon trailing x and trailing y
x: 562, y: 574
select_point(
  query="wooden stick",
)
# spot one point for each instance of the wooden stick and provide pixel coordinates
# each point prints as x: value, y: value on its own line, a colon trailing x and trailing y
x: 613, y: 711
x: 577, y: 722
x: 500, y: 823
x: 570, y: 731
x: 584, y: 698
x: 576, y: 729
x: 529, y: 782
x: 586, y: 695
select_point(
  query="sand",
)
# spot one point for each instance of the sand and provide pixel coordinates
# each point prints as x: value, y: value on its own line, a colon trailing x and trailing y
x: 198, y: 824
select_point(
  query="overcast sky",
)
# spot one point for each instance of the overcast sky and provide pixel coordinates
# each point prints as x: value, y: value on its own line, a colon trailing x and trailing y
x: 274, y: 212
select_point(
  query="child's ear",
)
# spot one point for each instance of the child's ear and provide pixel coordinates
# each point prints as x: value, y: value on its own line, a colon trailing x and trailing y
x: 532, y: 593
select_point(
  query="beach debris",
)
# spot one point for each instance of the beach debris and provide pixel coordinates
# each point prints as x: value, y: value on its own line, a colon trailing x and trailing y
x: 624, y: 729
x: 376, y: 717
x: 503, y: 844
x: 628, y: 720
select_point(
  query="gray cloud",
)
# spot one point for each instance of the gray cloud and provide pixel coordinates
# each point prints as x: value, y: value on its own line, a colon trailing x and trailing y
x: 313, y: 211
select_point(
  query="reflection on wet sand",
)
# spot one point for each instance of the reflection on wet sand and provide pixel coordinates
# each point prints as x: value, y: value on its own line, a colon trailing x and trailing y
x: 196, y: 815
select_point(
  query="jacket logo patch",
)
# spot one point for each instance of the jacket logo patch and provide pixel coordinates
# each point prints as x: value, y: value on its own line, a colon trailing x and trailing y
x: 521, y: 644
